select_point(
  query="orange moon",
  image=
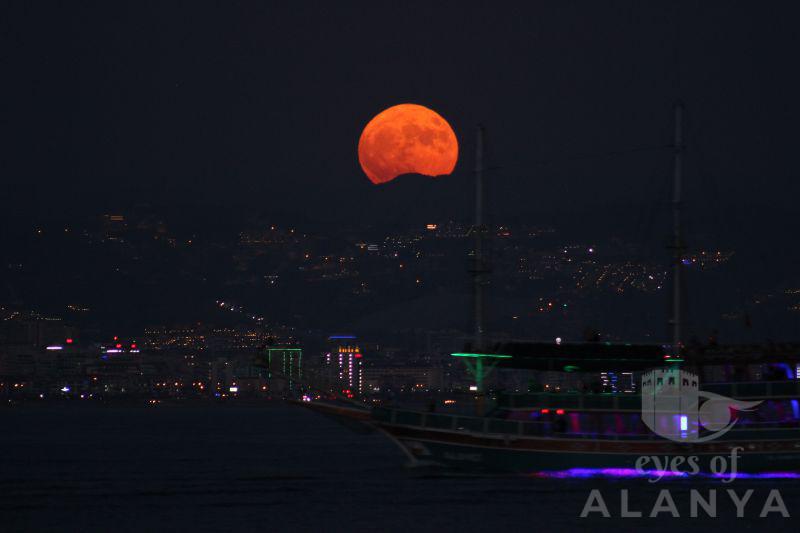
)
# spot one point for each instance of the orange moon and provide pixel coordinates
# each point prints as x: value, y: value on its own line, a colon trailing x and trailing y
x: 404, y: 139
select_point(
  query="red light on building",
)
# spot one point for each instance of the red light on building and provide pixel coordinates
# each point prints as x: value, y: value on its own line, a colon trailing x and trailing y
x: 116, y: 338
x: 119, y: 346
x: 559, y: 411
x: 358, y: 356
x: 69, y: 341
x: 133, y: 346
x: 545, y: 411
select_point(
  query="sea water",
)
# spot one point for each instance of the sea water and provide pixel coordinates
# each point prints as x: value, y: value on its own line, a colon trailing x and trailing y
x: 281, y: 468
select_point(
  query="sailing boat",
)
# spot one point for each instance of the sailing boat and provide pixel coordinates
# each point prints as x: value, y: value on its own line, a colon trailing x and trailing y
x: 587, y: 433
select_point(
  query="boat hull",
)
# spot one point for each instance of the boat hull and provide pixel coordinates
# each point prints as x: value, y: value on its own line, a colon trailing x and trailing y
x: 486, y: 451
x: 507, y: 453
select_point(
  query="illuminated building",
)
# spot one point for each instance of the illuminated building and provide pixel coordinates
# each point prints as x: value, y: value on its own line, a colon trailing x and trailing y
x: 344, y: 364
x: 285, y: 362
x: 617, y: 381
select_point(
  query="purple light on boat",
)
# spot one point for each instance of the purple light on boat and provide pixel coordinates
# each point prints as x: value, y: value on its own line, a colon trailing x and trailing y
x: 607, y: 472
x: 761, y: 475
x: 795, y: 409
x: 787, y: 369
x: 579, y: 473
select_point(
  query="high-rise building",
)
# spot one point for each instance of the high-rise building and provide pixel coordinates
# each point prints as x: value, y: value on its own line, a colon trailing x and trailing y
x: 286, y: 364
x: 343, y: 362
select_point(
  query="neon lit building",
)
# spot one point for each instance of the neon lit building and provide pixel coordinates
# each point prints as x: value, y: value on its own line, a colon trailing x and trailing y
x: 285, y: 363
x: 344, y: 364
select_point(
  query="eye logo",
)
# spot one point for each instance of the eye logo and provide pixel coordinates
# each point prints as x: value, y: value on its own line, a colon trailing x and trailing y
x: 671, y: 407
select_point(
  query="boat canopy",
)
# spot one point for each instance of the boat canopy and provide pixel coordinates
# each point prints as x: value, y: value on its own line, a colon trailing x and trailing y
x: 600, y: 356
x: 573, y: 357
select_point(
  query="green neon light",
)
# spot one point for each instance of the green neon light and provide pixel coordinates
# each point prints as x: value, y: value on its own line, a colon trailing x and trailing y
x: 571, y: 368
x: 482, y: 355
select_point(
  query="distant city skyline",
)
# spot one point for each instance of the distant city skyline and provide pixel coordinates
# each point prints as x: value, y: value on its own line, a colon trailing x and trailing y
x: 150, y: 268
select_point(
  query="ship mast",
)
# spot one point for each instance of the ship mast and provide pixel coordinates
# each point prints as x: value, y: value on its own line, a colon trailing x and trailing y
x: 479, y: 270
x: 677, y: 237
x: 478, y: 230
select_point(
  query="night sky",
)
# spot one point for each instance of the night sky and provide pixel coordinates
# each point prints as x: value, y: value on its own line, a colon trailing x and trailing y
x: 113, y: 104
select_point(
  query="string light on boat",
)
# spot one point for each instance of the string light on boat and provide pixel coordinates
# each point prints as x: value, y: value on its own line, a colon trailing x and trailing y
x: 481, y: 355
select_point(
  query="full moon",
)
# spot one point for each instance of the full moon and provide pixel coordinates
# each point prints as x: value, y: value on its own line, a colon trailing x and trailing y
x: 404, y: 139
